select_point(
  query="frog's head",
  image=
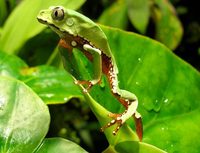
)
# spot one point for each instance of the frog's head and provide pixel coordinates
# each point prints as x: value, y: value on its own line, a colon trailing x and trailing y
x: 59, y: 20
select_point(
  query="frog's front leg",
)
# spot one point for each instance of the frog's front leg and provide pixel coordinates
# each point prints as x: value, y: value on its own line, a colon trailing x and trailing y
x: 97, y: 63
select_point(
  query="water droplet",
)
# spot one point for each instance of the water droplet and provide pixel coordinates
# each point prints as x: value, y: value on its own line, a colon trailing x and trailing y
x: 149, y: 106
x: 157, y: 105
x: 65, y: 99
x: 49, y: 95
x: 137, y: 83
x: 139, y: 60
x: 166, y: 100
x: 70, y: 22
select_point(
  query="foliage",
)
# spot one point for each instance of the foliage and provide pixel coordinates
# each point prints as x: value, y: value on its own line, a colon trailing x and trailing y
x: 166, y: 86
x: 168, y: 28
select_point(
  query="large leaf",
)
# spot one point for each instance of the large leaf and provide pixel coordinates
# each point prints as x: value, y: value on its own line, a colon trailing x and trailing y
x: 24, y: 117
x: 126, y: 140
x: 167, y: 88
x: 15, y: 34
x: 52, y: 145
x: 51, y: 84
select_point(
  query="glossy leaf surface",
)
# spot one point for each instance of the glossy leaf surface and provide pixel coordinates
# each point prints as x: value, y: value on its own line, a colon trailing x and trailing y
x: 24, y: 117
x: 167, y: 87
x: 51, y: 84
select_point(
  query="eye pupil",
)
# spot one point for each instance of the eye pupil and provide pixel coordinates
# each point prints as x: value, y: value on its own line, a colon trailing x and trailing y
x: 57, y: 14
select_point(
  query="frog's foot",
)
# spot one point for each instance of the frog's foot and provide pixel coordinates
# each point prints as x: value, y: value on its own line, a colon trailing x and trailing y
x: 116, y: 120
x: 88, y: 84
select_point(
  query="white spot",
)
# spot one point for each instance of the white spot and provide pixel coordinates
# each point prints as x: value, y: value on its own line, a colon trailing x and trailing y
x: 139, y: 60
x: 137, y: 115
x: 65, y: 99
x: 112, y: 122
x: 118, y: 118
x: 166, y: 100
x: 137, y: 83
x: 73, y: 43
x: 85, y: 90
x: 49, y: 95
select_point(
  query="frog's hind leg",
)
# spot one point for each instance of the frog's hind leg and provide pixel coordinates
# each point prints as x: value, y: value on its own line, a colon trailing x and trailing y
x: 130, y: 102
x: 126, y: 98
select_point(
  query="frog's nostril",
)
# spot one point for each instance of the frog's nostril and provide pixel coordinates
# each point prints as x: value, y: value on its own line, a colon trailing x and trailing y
x: 41, y: 12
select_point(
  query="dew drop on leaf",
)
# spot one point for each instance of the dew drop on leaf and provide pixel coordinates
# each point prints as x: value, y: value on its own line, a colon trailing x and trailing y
x: 157, y: 105
x: 139, y: 60
x: 166, y: 100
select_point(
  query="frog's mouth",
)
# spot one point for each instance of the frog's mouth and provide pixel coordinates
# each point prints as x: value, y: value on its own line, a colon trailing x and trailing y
x: 42, y: 21
x: 56, y: 29
x: 48, y: 24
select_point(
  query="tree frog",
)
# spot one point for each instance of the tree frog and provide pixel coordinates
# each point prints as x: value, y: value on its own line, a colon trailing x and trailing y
x: 78, y: 31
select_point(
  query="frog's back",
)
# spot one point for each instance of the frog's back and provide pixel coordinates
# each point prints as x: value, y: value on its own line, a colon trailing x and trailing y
x: 87, y: 29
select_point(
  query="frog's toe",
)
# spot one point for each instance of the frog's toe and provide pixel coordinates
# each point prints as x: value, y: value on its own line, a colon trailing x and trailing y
x: 116, y: 120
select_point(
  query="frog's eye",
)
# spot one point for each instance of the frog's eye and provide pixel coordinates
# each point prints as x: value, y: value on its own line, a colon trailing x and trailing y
x: 57, y: 14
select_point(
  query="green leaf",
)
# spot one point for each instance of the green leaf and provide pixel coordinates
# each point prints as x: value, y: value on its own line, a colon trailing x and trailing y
x: 125, y: 134
x: 24, y: 117
x: 167, y: 88
x: 126, y: 140
x: 130, y: 146
x: 116, y: 10
x: 139, y: 13
x: 52, y: 145
x: 11, y: 65
x: 27, y: 26
x: 51, y: 84
x: 54, y: 86
x: 169, y: 30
